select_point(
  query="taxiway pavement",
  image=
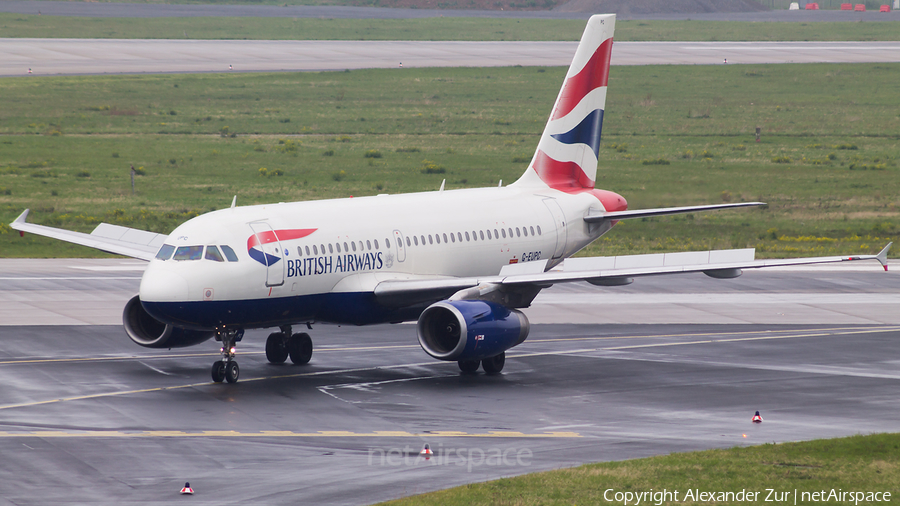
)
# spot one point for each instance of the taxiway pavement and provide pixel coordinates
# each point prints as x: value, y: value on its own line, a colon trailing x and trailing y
x: 86, y: 417
x: 133, y: 56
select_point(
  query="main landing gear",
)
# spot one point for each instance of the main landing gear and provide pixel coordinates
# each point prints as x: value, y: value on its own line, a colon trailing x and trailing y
x: 492, y: 365
x: 227, y: 369
x: 281, y: 345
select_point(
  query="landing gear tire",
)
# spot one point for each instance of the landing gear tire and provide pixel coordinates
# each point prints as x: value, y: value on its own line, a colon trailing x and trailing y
x: 468, y: 365
x: 218, y: 371
x: 276, y: 348
x: 494, y: 364
x: 232, y: 372
x: 300, y: 348
x: 227, y: 369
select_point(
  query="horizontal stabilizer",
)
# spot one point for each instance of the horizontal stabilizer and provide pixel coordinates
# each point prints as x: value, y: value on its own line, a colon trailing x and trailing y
x: 663, y: 211
x: 115, y: 239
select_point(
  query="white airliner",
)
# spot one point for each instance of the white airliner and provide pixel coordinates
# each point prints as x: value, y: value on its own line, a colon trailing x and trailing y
x: 460, y: 263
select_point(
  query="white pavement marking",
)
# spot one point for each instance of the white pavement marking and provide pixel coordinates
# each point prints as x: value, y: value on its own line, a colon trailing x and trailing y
x: 129, y: 56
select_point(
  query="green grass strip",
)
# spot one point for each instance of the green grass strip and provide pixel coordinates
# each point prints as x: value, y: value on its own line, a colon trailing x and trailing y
x: 828, y: 162
x: 444, y: 28
x: 817, y: 472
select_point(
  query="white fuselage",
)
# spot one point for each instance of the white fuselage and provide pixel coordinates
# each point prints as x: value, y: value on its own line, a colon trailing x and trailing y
x: 350, y: 245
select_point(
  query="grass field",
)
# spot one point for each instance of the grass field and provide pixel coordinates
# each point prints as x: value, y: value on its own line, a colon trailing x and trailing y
x: 445, y: 28
x: 854, y: 464
x: 827, y: 163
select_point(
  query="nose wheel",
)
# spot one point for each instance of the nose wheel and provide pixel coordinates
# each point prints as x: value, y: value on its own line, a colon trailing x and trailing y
x: 227, y: 369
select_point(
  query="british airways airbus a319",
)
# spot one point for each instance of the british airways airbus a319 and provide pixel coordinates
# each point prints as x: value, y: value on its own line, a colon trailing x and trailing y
x: 461, y: 263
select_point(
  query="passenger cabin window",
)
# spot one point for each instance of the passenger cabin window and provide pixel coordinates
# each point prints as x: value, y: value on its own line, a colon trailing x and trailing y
x: 188, y: 253
x: 165, y: 252
x: 315, y: 250
x: 387, y: 243
x: 437, y: 237
x: 353, y: 245
x: 376, y: 243
x: 330, y: 249
x: 368, y: 245
x: 407, y: 241
x: 452, y: 237
x: 489, y: 234
x: 532, y: 230
x: 539, y: 230
x: 212, y: 253
x: 429, y: 239
x: 416, y: 240
x: 467, y: 237
x: 229, y: 254
x: 481, y: 233
x: 338, y: 246
x: 504, y: 233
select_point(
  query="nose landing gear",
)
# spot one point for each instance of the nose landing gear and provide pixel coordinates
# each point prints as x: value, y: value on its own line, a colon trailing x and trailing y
x: 227, y: 369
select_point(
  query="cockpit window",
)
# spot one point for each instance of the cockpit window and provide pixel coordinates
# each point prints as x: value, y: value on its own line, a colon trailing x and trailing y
x: 212, y: 253
x: 165, y: 252
x: 229, y: 254
x: 188, y: 253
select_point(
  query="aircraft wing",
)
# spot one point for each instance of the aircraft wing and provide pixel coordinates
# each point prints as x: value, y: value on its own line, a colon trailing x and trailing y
x: 530, y: 277
x: 125, y: 241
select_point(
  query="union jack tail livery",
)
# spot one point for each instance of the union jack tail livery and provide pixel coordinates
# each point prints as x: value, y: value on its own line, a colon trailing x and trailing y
x: 566, y: 157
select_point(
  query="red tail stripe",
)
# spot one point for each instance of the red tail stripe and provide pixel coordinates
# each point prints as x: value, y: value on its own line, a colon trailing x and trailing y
x: 594, y: 75
x: 278, y: 235
x: 562, y: 176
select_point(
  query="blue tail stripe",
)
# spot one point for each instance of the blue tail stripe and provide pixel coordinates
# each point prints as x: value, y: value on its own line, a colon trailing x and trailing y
x: 587, y: 132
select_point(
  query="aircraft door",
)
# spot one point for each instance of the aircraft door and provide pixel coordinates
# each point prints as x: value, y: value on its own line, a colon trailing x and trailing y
x: 401, y: 246
x: 267, y: 250
x: 559, y: 225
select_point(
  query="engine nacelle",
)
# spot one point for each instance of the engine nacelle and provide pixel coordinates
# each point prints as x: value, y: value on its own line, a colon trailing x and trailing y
x: 470, y: 329
x: 149, y: 332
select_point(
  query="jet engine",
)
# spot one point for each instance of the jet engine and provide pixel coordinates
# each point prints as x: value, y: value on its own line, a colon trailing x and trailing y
x: 149, y: 332
x: 470, y: 329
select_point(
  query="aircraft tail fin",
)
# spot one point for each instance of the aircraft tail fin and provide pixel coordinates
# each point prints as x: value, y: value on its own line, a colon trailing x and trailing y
x: 566, y: 156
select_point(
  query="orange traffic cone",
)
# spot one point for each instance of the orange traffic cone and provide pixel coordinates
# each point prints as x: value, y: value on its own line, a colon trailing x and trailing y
x: 187, y: 489
x: 757, y: 418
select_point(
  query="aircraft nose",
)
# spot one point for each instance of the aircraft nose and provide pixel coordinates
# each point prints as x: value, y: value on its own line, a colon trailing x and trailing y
x: 162, y: 285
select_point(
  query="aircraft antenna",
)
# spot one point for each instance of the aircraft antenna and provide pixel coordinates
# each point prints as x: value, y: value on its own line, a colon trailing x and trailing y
x: 233, y: 201
x: 442, y: 185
